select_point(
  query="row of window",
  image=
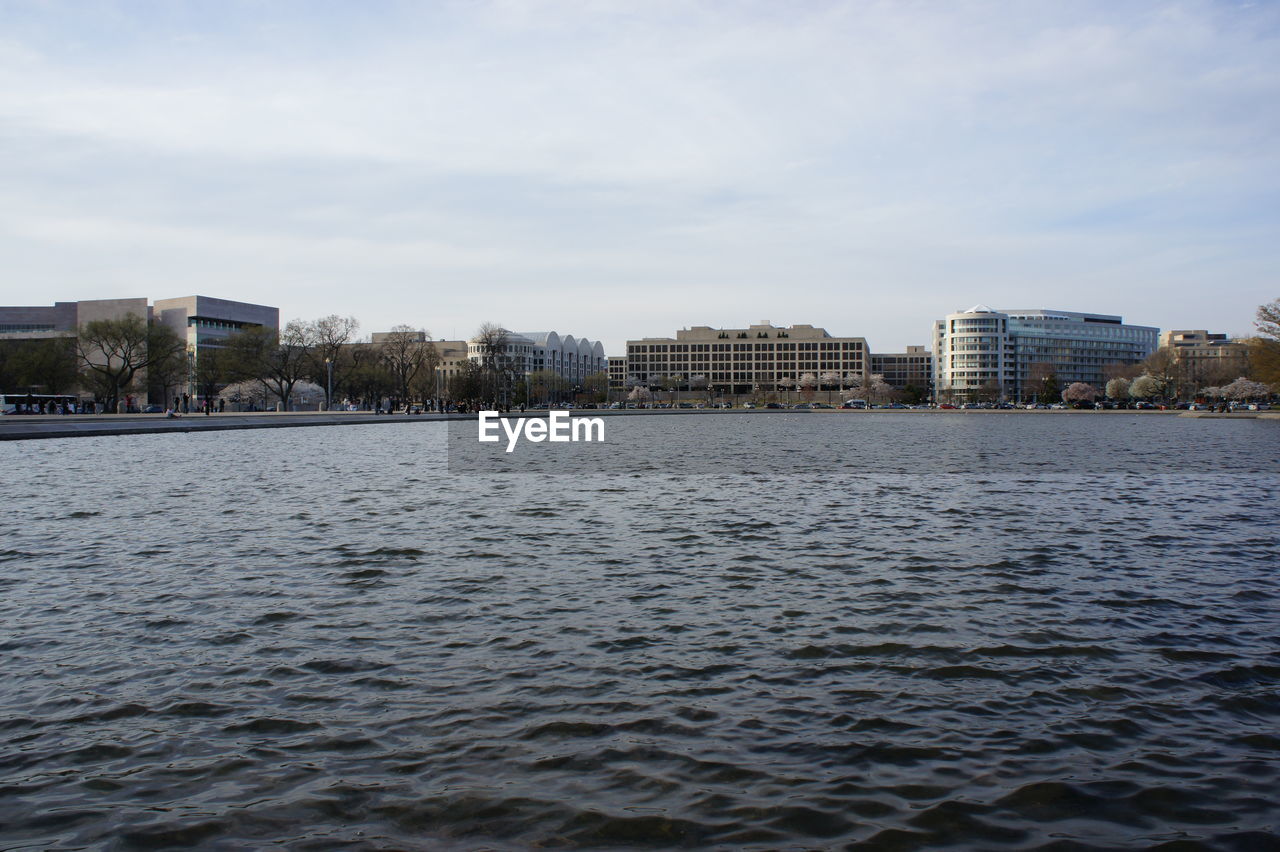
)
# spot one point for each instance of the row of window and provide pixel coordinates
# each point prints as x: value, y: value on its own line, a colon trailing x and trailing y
x: 816, y: 346
x: 21, y: 327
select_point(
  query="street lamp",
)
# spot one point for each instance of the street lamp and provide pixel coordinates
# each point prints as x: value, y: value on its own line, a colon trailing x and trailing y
x: 328, y: 397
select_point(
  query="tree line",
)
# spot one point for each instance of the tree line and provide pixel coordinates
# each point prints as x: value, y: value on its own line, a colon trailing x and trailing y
x: 116, y: 360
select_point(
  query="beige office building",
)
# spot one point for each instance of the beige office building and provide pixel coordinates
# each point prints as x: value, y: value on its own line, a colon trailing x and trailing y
x: 1204, y: 358
x: 913, y: 368
x: 760, y: 358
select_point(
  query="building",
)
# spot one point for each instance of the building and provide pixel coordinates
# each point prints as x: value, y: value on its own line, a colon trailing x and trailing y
x: 205, y: 322
x: 1202, y: 359
x: 570, y: 358
x: 758, y: 358
x: 201, y: 321
x: 453, y: 354
x: 63, y: 319
x: 617, y: 373
x: 910, y: 369
x: 984, y: 353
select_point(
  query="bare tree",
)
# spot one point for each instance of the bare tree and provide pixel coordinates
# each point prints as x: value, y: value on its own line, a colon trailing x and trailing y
x: 497, y: 366
x: 211, y: 372
x: 408, y: 353
x: 325, y: 339
x: 276, y: 359
x: 113, y: 353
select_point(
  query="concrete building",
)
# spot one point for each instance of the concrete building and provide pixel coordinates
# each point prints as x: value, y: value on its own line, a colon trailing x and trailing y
x: 758, y: 358
x: 910, y: 369
x: 205, y: 322
x: 1203, y: 359
x: 984, y: 353
x: 453, y: 354
x: 617, y: 374
x: 201, y: 321
x: 62, y: 319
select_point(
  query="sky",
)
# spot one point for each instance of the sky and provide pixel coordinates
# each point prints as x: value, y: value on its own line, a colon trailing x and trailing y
x: 618, y: 170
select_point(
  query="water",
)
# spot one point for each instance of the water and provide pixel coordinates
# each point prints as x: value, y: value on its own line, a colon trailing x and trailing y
x: 323, y: 638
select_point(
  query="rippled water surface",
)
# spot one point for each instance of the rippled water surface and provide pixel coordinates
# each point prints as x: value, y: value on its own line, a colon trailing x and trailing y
x: 330, y: 638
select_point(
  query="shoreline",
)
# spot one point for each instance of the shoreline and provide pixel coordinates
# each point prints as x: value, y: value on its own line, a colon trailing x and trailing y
x: 42, y: 427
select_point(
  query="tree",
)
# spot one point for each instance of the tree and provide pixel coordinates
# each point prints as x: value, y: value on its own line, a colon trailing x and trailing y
x: 700, y: 384
x: 1162, y: 365
x: 1078, y: 392
x: 211, y: 372
x: 170, y: 375
x: 1146, y: 387
x: 830, y: 378
x: 367, y: 378
x: 49, y: 365
x: 497, y: 366
x: 544, y: 385
x: 1121, y: 370
x: 671, y: 384
x: 877, y: 388
x: 806, y: 383
x: 467, y: 385
x: 277, y: 359
x: 114, y: 353
x: 247, y: 393
x: 324, y: 339
x: 597, y: 384
x: 407, y: 354
x: 639, y: 394
x: 1264, y: 360
x: 1242, y: 389
x: 1268, y: 320
x: 911, y: 394
x: 1118, y: 388
x: 1042, y: 381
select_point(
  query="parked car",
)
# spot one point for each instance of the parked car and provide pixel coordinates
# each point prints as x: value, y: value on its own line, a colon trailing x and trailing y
x: 773, y: 405
x: 802, y: 406
x: 822, y: 405
x: 854, y: 403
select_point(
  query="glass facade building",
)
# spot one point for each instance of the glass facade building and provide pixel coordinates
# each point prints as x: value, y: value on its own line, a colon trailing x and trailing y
x: 984, y: 353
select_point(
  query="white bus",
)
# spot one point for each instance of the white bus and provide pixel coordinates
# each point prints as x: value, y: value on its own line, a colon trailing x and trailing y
x: 36, y: 403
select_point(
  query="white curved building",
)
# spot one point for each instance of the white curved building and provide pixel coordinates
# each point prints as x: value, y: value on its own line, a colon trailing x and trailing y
x: 571, y: 358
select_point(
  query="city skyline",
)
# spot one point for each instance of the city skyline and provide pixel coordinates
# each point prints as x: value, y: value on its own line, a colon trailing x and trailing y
x: 609, y: 168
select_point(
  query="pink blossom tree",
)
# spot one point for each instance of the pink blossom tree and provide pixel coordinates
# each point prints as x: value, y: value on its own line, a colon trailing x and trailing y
x: 1080, y: 392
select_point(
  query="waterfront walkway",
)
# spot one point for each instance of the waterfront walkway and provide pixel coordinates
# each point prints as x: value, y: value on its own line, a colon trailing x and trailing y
x: 27, y: 427
x: 19, y: 427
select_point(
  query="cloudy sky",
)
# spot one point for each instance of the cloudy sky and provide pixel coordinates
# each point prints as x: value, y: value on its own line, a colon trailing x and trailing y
x: 624, y: 169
